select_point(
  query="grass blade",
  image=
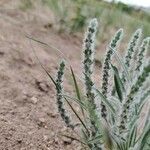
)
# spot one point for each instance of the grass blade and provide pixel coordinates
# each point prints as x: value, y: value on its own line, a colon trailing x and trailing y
x: 73, y: 138
x: 77, y: 89
x: 76, y: 100
x: 105, y: 101
x: 132, y: 137
x: 118, y: 83
x: 118, y: 59
x: 43, y: 66
x: 43, y: 43
x: 77, y: 116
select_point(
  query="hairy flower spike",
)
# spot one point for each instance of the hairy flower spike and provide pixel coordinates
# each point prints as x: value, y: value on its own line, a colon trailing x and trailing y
x: 106, y: 67
x: 131, y: 50
x: 59, y: 95
x: 142, y: 52
x: 134, y: 89
x: 88, y: 61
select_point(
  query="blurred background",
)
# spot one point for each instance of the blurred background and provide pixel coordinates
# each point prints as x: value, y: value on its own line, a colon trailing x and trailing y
x: 71, y: 16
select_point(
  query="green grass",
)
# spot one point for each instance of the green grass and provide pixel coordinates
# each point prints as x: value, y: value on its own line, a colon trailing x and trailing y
x: 74, y: 15
x: 26, y: 4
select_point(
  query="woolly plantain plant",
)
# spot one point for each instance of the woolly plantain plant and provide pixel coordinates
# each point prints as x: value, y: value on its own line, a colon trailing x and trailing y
x: 109, y: 118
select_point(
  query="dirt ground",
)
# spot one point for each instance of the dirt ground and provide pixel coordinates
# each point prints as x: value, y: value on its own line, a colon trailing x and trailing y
x: 28, y: 111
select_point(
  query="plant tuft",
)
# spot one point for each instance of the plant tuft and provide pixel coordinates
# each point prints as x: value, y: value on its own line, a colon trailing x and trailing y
x: 109, y: 120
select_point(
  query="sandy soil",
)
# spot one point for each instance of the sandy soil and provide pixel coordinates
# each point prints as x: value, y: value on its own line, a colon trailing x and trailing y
x: 28, y: 113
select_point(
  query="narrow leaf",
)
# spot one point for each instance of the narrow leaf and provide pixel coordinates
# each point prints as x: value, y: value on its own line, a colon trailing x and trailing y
x: 118, y: 83
x: 73, y: 138
x: 77, y: 89
x: 76, y: 100
x: 77, y: 115
x: 43, y: 66
x: 50, y: 46
x: 105, y: 101
x: 132, y: 137
x: 119, y: 60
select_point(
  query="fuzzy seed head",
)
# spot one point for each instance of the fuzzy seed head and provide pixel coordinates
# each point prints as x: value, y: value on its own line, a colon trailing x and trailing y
x: 134, y: 89
x: 88, y: 61
x: 131, y: 50
x: 106, y: 67
x: 59, y: 95
x: 142, y: 52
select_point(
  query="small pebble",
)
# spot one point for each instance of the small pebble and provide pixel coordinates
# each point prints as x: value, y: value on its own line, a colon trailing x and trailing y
x: 34, y: 100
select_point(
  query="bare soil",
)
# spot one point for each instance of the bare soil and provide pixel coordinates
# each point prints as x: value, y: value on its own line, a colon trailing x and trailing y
x: 28, y: 113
